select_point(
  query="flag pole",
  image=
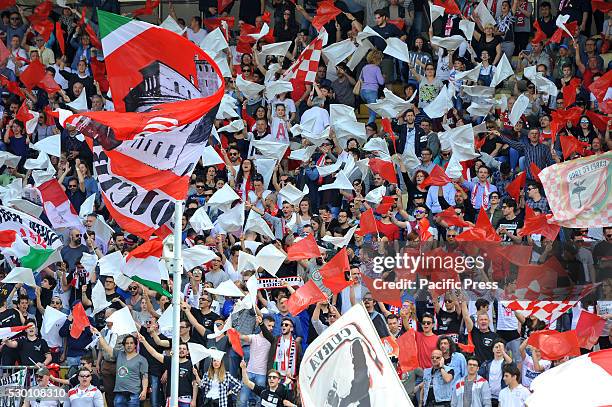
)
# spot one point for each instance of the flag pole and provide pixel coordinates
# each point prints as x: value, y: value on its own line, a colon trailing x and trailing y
x: 177, y: 270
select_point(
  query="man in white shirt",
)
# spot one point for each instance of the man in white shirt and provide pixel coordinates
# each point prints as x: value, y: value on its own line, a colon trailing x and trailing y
x: 515, y: 394
x: 195, y: 32
x: 320, y: 117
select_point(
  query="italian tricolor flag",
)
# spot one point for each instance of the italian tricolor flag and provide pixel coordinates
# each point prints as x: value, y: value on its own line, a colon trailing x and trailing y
x: 11, y: 331
x: 142, y: 265
x: 11, y: 244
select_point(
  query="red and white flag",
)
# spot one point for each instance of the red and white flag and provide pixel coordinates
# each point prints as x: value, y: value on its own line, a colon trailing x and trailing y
x: 305, y: 66
x: 11, y: 331
x: 58, y: 208
x: 584, y: 381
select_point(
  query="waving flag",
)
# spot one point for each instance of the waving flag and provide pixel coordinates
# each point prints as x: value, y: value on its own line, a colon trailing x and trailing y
x: 11, y: 244
x: 436, y: 177
x: 58, y: 208
x: 335, y: 273
x: 11, y: 331
x: 145, y: 151
x: 306, y: 248
x: 589, y: 328
x: 142, y: 265
x: 305, y: 296
x: 147, y: 10
x: 326, y: 12
x: 583, y: 381
x: 450, y: 7
x: 305, y: 66
x: 555, y: 345
x: 578, y: 191
x: 347, y: 365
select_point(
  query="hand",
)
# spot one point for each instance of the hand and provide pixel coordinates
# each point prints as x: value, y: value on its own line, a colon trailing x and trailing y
x: 258, y: 319
x: 164, y: 378
x: 243, y: 364
x: 143, y: 395
x: 93, y: 330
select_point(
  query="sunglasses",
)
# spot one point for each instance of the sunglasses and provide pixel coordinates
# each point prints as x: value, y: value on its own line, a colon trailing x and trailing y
x: 84, y: 376
x: 608, y: 236
x: 286, y: 324
x: 426, y: 323
x: 56, y: 302
x: 274, y: 377
x: 218, y: 324
x: 199, y: 186
x: 79, y: 235
x: 133, y: 288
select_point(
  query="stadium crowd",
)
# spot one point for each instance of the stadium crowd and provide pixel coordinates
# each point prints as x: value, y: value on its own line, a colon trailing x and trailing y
x: 107, y: 369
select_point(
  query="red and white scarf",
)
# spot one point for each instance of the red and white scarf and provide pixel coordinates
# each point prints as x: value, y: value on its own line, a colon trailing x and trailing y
x: 485, y: 195
x: 286, y: 356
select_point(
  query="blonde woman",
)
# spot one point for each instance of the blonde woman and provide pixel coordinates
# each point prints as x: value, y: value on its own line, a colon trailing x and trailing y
x: 371, y: 80
x: 217, y: 384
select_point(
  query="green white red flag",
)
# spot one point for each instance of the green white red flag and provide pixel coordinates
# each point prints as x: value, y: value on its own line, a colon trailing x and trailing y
x: 11, y: 244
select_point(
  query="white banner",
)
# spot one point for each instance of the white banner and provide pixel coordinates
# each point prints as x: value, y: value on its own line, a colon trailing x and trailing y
x: 33, y: 231
x: 347, y: 366
x: 270, y: 283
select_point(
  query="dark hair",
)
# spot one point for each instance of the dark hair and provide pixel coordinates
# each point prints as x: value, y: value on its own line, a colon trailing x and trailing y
x: 452, y: 346
x: 512, y: 370
x: 498, y: 340
x: 383, y: 12
x: 474, y: 358
x: 127, y: 337
x: 510, y: 203
x: 392, y: 316
x: 269, y: 318
x: 545, y: 4
x: 427, y: 315
x: 52, y: 281
x: 481, y: 302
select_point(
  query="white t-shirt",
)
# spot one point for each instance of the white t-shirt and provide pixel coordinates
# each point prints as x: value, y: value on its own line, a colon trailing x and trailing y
x: 605, y: 307
x: 506, y: 320
x: 513, y: 398
x: 495, y: 377
x: 196, y: 37
x: 528, y: 372
x: 288, y: 103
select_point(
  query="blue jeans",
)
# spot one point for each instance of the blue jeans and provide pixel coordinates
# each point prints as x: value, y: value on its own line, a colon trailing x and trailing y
x: 369, y: 96
x: 417, y: 25
x: 246, y: 395
x: 156, y: 396
x: 73, y: 361
x: 123, y: 401
x: 234, y: 360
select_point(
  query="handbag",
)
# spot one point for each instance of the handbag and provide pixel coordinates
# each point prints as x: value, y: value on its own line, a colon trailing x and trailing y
x: 357, y: 88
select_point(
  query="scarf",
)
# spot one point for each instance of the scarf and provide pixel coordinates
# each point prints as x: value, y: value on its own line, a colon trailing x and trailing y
x: 485, y: 195
x: 285, y: 358
x: 193, y: 298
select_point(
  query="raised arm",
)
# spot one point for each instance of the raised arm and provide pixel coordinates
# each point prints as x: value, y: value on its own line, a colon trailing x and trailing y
x: 158, y: 356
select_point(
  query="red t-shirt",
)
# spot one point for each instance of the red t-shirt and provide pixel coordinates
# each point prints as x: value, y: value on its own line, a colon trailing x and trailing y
x: 391, y: 231
x: 425, y: 345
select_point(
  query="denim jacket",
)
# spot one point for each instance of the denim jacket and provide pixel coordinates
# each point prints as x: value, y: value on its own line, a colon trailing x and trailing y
x: 442, y: 390
x: 459, y: 366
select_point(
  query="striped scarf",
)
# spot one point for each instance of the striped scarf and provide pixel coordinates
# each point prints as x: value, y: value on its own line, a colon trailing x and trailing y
x: 286, y: 351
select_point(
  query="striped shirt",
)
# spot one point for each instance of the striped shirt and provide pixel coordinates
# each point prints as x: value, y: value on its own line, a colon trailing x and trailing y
x: 538, y: 154
x: 90, y: 397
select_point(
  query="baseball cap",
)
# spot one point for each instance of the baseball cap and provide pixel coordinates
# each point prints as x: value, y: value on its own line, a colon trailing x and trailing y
x: 563, y: 46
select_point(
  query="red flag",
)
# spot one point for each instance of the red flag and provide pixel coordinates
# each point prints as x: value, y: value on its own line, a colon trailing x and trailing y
x: 98, y: 69
x: 483, y: 231
x: 571, y: 145
x: 450, y: 217
x: 400, y: 23
x: 436, y: 177
x: 95, y: 42
x: 560, y: 34
x: 23, y: 114
x: 569, y: 92
x: 555, y: 345
x: 515, y: 254
x: 40, y: 19
x: 423, y: 229
x: 12, y: 87
x: 390, y: 296
x: 212, y: 23
x: 234, y: 338
x: 335, y: 273
x: 385, y: 205
x: 4, y: 4
x: 33, y: 74
x: 59, y: 33
x: 147, y: 10
x: 326, y: 12
x: 4, y: 52
x: 469, y: 348
x: 540, y: 36
x: 48, y: 84
x: 305, y: 296
x: 367, y: 223
x: 222, y: 5
x: 266, y: 17
x: 535, y: 278
x: 599, y: 121
x: 385, y: 169
x: 50, y: 116
x: 79, y: 321
x: 449, y: 6
x: 516, y: 186
x: 306, y: 248
x: 408, y: 355
x: 535, y: 172
x: 601, y: 5
x: 600, y: 86
x: 386, y: 125
x: 538, y: 224
x: 588, y: 329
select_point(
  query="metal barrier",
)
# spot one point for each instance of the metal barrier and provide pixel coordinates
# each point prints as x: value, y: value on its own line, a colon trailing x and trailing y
x: 23, y: 377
